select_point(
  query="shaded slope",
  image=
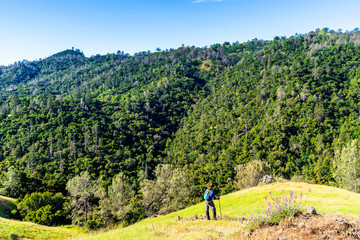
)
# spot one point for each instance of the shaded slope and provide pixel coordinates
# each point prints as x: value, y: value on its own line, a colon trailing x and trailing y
x: 6, y: 206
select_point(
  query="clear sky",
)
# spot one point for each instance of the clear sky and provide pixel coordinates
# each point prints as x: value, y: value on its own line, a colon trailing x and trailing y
x: 33, y: 29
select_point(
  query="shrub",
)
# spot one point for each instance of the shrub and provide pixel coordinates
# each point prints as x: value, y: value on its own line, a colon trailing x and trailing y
x: 92, y: 224
x: 43, y: 208
x: 278, y: 208
x: 250, y: 174
x: 298, y: 178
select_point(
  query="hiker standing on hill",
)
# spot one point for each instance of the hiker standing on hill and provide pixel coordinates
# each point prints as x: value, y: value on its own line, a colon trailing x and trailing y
x: 209, y: 196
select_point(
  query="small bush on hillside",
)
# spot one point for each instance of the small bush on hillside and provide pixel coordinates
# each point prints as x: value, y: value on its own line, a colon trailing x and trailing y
x: 92, y: 224
x: 250, y: 174
x: 43, y: 208
x: 278, y: 208
x: 298, y: 178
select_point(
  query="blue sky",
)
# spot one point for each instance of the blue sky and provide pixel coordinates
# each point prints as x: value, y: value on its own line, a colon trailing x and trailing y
x: 38, y: 28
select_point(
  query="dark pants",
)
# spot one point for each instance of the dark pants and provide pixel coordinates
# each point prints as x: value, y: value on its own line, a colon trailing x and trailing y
x: 210, y: 204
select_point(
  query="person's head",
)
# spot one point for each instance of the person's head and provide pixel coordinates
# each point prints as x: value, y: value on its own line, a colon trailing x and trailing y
x: 210, y: 186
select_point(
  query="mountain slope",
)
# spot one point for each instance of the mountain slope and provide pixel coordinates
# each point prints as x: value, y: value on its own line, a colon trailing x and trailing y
x: 293, y: 104
x: 104, y: 114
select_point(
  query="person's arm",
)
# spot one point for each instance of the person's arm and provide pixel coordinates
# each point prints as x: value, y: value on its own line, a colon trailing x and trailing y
x: 214, y: 197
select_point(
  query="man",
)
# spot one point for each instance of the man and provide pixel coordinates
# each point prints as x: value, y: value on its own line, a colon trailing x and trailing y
x: 209, y: 196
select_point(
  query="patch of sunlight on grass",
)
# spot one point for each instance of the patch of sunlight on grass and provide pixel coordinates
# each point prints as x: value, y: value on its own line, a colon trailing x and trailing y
x: 8, y: 199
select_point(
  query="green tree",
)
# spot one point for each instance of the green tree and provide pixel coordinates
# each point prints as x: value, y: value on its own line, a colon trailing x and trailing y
x: 346, y: 166
x: 250, y: 174
x: 43, y: 208
x: 11, y: 183
x: 169, y: 191
x: 85, y: 194
x: 117, y: 204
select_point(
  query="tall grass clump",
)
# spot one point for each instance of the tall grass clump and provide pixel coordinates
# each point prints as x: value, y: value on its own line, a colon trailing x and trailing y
x: 277, y: 209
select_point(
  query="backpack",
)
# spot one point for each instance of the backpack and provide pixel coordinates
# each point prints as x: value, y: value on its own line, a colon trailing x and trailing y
x: 207, y: 196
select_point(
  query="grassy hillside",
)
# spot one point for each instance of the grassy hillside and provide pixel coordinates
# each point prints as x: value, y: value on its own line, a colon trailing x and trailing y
x: 11, y: 229
x: 324, y: 198
x: 6, y: 206
x: 236, y: 205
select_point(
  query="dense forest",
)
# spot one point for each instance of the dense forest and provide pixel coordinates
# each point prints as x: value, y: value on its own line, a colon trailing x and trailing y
x: 115, y: 138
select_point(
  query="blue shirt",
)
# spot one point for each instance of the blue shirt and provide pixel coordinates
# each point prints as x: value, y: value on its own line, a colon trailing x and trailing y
x: 211, y: 195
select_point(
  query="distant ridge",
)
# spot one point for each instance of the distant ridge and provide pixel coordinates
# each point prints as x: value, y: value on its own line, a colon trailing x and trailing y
x: 68, y: 52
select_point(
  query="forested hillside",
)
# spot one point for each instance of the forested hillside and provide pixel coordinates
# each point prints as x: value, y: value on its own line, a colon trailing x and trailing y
x: 293, y: 104
x: 118, y: 137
